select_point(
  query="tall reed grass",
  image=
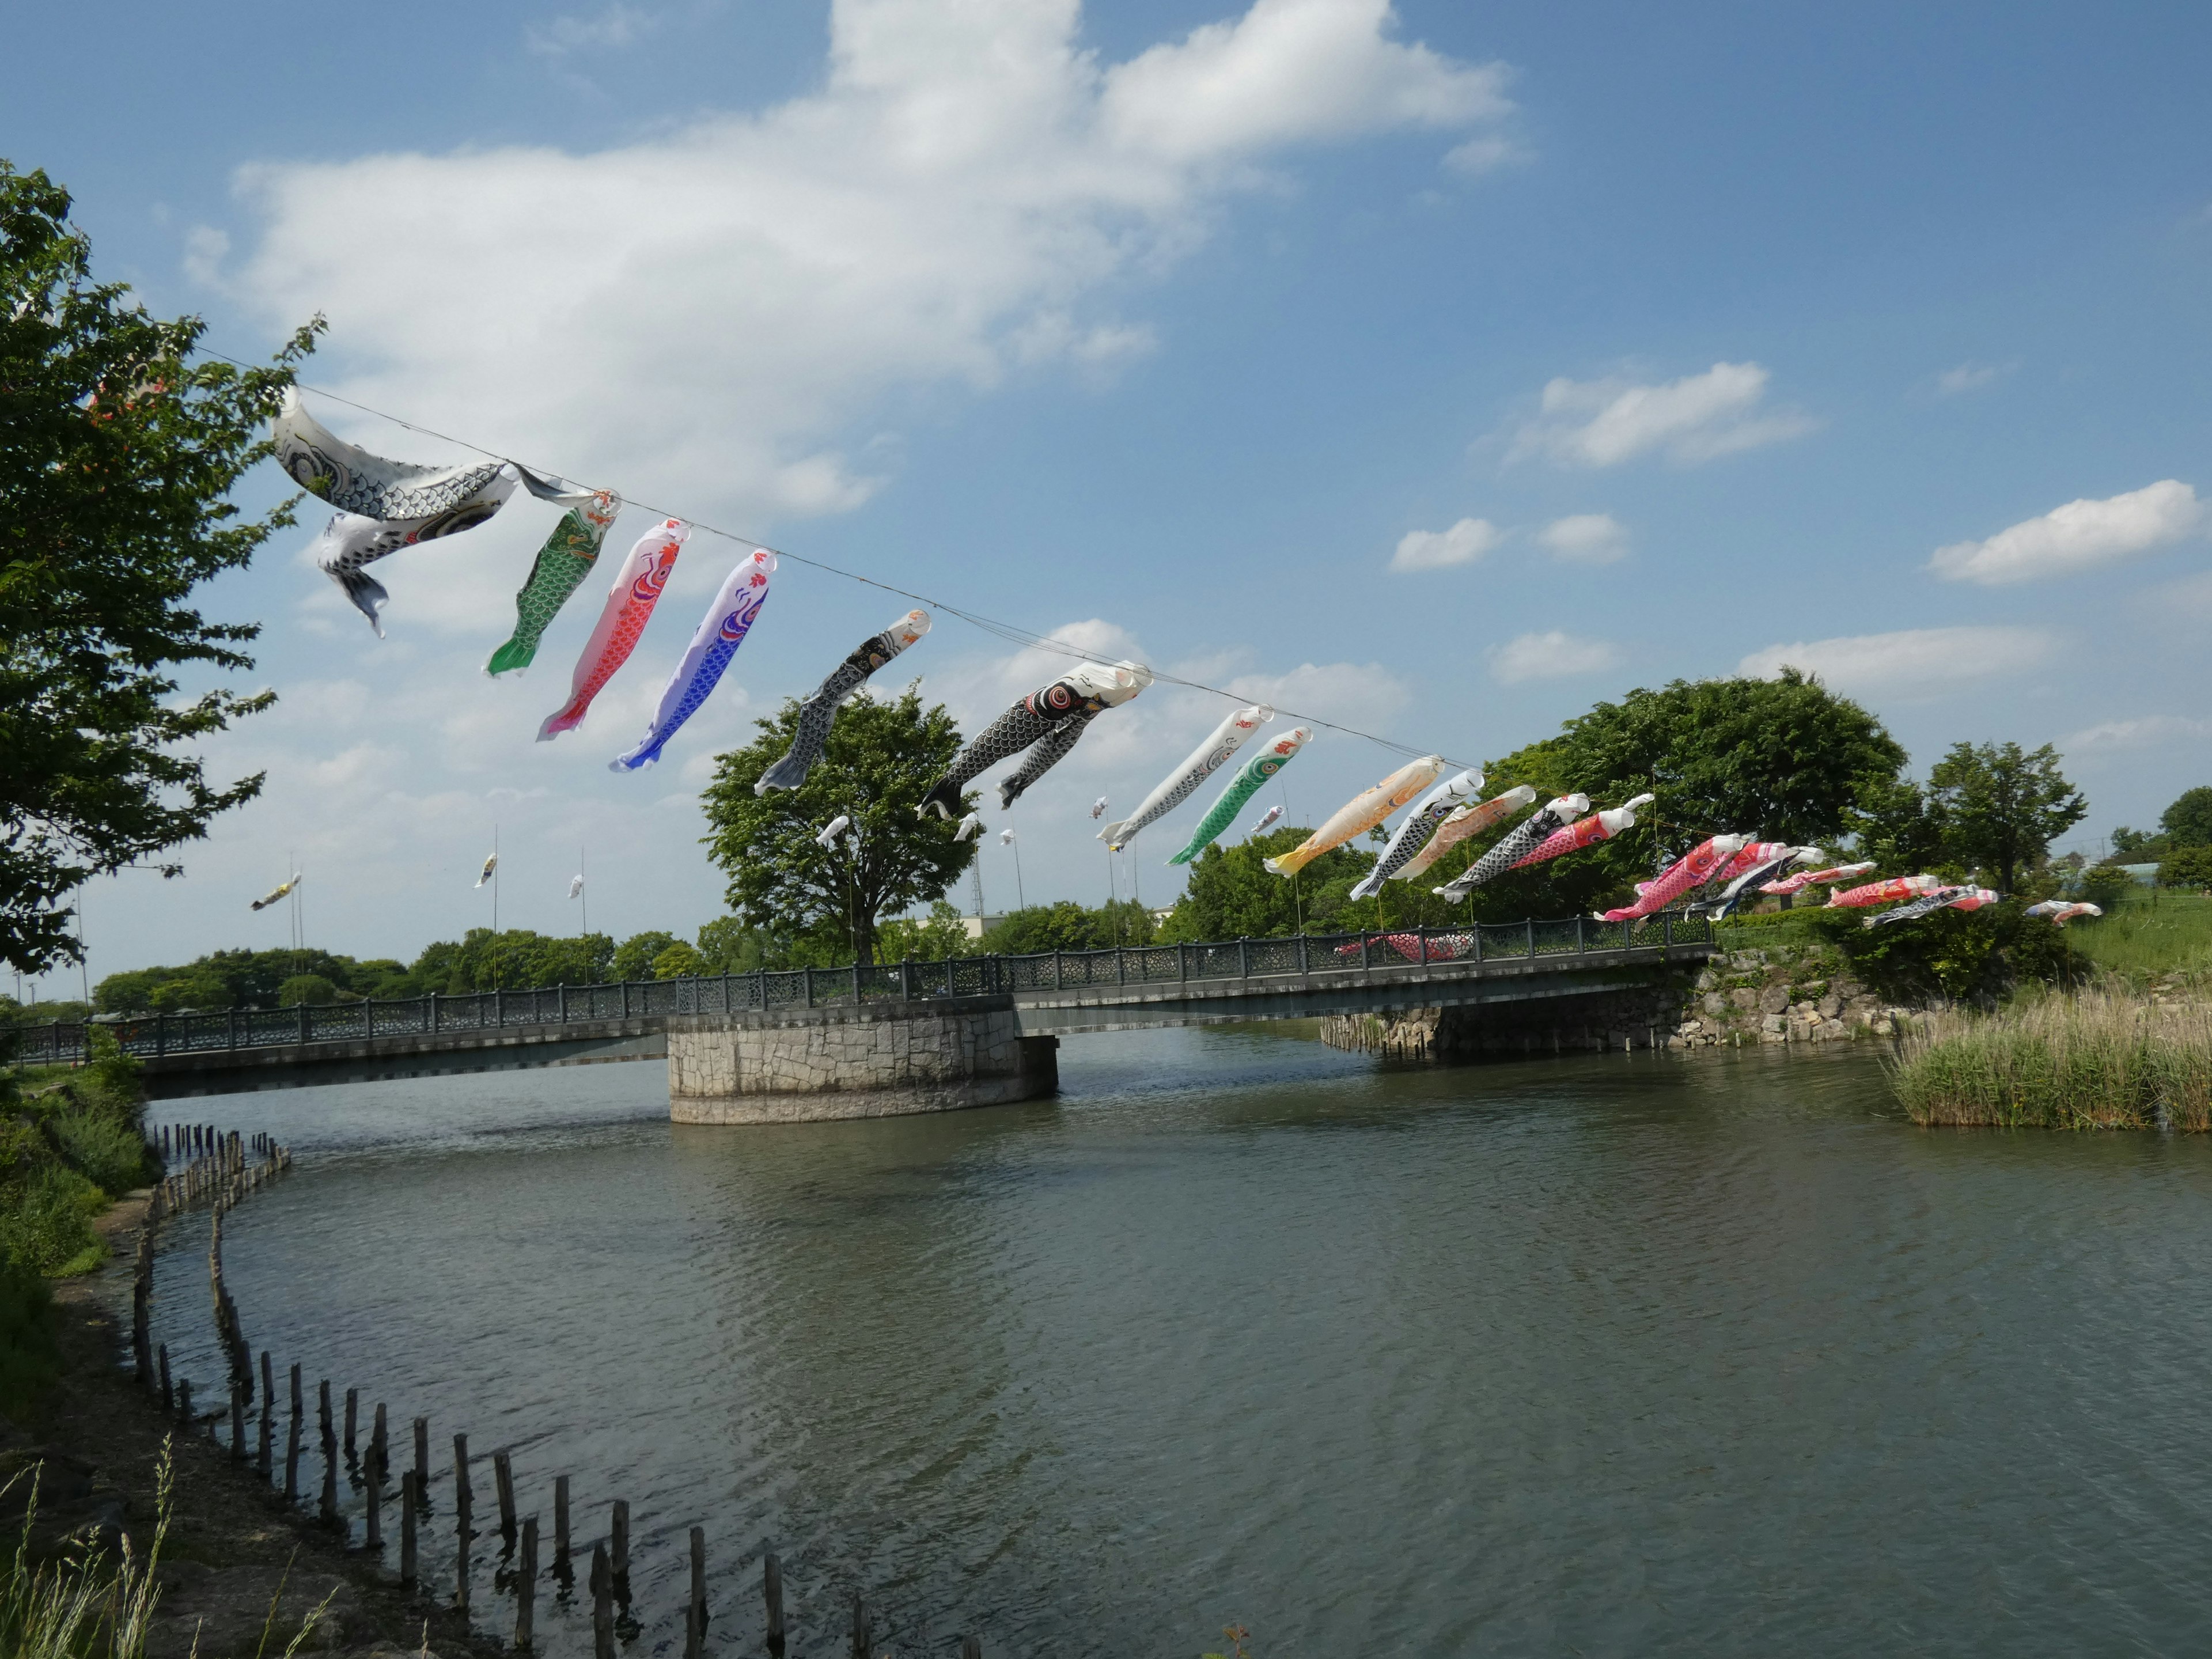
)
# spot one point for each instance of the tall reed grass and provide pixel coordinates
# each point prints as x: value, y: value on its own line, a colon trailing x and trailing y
x: 2094, y: 1060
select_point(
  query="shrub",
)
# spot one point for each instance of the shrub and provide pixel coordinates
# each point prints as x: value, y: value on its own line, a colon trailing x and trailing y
x: 108, y: 1150
x: 30, y: 1356
x: 2093, y: 1061
x: 2190, y: 867
x: 45, y: 1222
x: 678, y: 961
x: 2107, y: 884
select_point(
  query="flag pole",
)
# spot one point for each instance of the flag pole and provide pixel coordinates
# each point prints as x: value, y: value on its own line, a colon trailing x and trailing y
x: 494, y: 904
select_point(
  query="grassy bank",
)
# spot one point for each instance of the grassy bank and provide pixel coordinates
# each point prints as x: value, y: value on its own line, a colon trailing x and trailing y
x: 2149, y: 936
x: 72, y: 1143
x: 2097, y: 1061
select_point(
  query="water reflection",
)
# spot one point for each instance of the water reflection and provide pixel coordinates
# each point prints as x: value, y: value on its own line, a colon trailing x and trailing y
x: 1606, y: 1353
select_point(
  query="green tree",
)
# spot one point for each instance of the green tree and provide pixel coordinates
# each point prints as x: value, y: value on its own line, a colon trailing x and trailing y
x: 116, y: 459
x: 310, y: 988
x: 2188, y: 822
x: 1232, y: 895
x: 882, y: 758
x: 2107, y: 886
x: 942, y: 933
x: 1067, y: 926
x: 1997, y: 808
x: 678, y: 961
x: 2187, y: 866
x: 637, y: 954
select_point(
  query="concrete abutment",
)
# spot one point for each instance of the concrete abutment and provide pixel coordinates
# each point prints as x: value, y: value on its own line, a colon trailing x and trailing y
x: 875, y: 1060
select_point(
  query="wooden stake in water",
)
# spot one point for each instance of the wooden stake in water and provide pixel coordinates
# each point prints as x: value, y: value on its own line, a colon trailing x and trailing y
x: 410, y: 1495
x: 863, y: 1637
x: 772, y: 1592
x: 561, y: 1569
x: 694, y: 1620
x: 264, y: 1458
x: 329, y: 1508
x: 503, y: 1481
x: 373, y: 1534
x: 380, y: 1446
x: 970, y: 1648
x: 168, y: 1389
x: 464, y: 1501
x: 423, y: 1463
x: 353, y: 1416
x: 603, y: 1605
x: 525, y: 1586
x: 237, y: 1424
x: 619, y: 1585
x: 292, y: 1441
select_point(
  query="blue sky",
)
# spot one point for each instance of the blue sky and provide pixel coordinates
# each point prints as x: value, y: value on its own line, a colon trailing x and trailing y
x: 1439, y: 371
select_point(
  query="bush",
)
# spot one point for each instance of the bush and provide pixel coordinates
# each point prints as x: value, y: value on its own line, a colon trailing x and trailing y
x: 2107, y: 886
x: 108, y: 1151
x: 678, y: 961
x: 1954, y: 954
x: 45, y: 1222
x: 310, y: 988
x: 2190, y: 867
x: 2086, y: 1063
x: 30, y: 1356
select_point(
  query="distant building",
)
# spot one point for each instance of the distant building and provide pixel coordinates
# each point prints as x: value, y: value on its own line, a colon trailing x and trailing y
x: 976, y: 926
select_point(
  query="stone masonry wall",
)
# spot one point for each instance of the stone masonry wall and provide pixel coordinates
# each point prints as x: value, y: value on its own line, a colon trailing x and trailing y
x: 880, y: 1059
x: 1783, y: 992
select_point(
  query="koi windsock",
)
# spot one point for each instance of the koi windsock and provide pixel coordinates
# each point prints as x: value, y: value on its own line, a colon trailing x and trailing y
x: 284, y: 891
x: 1967, y: 897
x: 354, y: 481
x: 716, y: 639
x: 1693, y: 869
x: 811, y: 740
x: 1827, y: 877
x: 1268, y: 819
x: 1361, y: 813
x: 1224, y: 740
x: 1422, y: 823
x: 350, y: 543
x: 636, y: 590
x: 1741, y: 879
x: 1881, y: 892
x: 1469, y: 820
x: 1268, y: 759
x: 1513, y: 845
x: 1061, y: 709
x: 560, y: 568
x: 1599, y: 826
x: 2062, y: 911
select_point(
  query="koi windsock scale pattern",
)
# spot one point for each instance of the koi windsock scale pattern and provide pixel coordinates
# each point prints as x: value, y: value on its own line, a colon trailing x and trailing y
x: 354, y: 481
x: 1584, y: 832
x: 1693, y: 869
x: 736, y: 605
x: 1419, y: 824
x: 1361, y: 813
x: 1827, y: 877
x: 811, y: 738
x: 1201, y: 763
x: 1882, y: 892
x: 1470, y: 820
x: 1513, y: 845
x: 1966, y: 897
x: 1075, y: 697
x: 1268, y: 759
x: 350, y: 542
x: 2059, y: 912
x: 636, y: 590
x: 1741, y: 879
x: 560, y: 568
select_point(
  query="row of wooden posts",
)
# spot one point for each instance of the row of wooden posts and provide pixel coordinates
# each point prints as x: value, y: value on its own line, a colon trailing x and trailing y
x: 221, y: 1172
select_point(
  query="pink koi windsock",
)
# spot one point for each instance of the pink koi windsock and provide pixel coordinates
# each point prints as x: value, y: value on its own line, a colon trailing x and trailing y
x: 1469, y: 820
x: 1599, y: 826
x: 629, y: 604
x: 1693, y: 869
x: 1827, y: 877
x: 2059, y: 912
x: 1882, y: 892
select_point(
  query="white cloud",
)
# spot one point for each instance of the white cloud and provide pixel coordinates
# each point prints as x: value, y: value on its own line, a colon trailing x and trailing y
x: 1696, y: 418
x: 618, y: 26
x: 1550, y: 656
x: 2079, y: 536
x: 1439, y: 549
x: 1913, y: 662
x: 1486, y: 153
x: 1586, y: 538
x: 2145, y: 732
x: 706, y: 317
x: 1966, y: 377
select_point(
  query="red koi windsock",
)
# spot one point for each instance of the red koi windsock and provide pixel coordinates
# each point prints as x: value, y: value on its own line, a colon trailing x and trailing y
x: 1881, y: 892
x: 1599, y: 826
x: 1827, y: 877
x: 1693, y: 869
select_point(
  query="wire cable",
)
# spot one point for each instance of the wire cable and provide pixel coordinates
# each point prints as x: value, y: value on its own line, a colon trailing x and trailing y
x: 1010, y: 632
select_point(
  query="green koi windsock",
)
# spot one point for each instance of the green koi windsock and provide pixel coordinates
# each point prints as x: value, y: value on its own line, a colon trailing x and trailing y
x: 1269, y: 759
x: 560, y: 568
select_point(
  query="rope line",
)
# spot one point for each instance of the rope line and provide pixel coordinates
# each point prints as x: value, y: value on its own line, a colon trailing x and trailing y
x: 1010, y: 632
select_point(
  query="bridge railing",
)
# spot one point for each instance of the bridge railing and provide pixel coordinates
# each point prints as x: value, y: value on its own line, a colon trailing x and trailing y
x: 1383, y: 951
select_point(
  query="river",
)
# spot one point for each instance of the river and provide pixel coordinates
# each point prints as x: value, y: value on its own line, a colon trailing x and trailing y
x: 1614, y: 1354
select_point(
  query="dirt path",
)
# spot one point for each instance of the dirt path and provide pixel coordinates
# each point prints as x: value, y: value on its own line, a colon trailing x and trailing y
x: 231, y: 1539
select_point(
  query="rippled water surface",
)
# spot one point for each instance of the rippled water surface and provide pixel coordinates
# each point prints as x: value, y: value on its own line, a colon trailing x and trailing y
x: 1607, y: 1355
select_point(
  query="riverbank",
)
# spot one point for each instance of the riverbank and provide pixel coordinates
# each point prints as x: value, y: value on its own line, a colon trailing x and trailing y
x: 232, y: 1545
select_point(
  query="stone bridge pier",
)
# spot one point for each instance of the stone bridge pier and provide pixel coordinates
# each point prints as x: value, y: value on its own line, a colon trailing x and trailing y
x: 846, y: 1060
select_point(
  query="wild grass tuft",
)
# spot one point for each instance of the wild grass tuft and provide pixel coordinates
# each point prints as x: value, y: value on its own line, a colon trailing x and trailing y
x: 2149, y: 936
x: 2095, y: 1061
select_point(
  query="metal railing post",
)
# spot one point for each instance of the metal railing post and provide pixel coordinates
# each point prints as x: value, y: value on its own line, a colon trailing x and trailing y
x: 232, y: 1019
x: 1364, y: 966
x: 1532, y: 939
x: 1244, y: 957
x: 1667, y: 932
x: 856, y: 981
x: 161, y: 1034
x: 430, y: 1012
x: 563, y: 1003
x: 1121, y: 968
x: 498, y: 1007
x: 809, y: 973
x: 1581, y: 948
x: 1182, y: 965
x: 625, y: 991
x: 304, y: 1028
x: 1056, y: 977
x: 1303, y: 968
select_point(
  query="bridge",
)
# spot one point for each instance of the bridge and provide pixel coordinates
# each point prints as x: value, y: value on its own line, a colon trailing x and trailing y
x: 1052, y: 993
